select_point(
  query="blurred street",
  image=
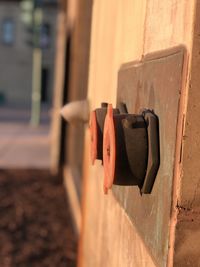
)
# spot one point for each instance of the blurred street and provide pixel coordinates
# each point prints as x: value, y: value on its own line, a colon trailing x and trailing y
x: 21, y: 145
x: 36, y: 227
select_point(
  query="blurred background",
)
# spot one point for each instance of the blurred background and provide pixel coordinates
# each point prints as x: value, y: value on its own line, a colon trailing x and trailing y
x: 44, y: 45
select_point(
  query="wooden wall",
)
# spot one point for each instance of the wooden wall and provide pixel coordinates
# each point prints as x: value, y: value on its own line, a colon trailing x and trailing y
x: 123, y: 31
x: 187, y: 234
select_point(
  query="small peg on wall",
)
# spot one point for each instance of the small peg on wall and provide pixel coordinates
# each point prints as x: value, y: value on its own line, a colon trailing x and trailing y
x: 76, y: 111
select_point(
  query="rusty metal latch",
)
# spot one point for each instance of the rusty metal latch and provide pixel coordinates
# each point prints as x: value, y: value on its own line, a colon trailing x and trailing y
x: 127, y: 144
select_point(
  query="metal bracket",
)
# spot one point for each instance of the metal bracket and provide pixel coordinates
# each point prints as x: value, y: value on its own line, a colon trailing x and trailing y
x: 153, y: 151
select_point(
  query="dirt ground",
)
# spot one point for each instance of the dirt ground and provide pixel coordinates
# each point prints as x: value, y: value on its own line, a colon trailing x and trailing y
x: 35, y: 222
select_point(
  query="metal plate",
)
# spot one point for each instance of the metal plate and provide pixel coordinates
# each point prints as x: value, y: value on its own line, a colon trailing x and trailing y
x: 154, y: 83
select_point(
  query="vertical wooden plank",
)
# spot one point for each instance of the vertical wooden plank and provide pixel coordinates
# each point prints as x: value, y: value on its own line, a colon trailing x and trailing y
x: 78, y: 80
x: 168, y: 23
x: 117, y: 37
x: 58, y: 91
x: 108, y: 236
x: 187, y: 231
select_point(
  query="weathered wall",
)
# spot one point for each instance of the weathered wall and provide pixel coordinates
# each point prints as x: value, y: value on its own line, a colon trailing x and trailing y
x: 123, y: 32
x: 108, y: 237
x: 187, y: 234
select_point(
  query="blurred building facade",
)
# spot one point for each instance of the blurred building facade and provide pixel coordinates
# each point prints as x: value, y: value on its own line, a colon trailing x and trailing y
x: 16, y: 53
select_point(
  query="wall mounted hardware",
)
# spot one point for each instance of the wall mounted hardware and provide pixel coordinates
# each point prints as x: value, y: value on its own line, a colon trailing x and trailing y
x: 131, y: 149
x: 76, y: 111
x: 128, y: 144
x: 97, y: 119
x: 155, y: 83
x: 153, y: 163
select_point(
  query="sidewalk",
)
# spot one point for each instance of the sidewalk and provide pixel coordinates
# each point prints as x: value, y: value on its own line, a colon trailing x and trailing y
x: 21, y: 145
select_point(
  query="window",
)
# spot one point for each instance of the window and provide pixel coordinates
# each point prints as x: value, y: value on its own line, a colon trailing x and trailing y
x: 8, y: 31
x: 45, y: 36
